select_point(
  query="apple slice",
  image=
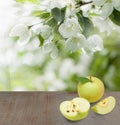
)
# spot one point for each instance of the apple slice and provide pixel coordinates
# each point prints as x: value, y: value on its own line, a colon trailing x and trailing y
x: 105, y: 106
x: 75, y: 109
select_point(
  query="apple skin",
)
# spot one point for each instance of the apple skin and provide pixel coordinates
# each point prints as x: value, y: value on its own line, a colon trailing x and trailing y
x: 105, y: 106
x: 81, y: 102
x: 77, y: 117
x: 92, y: 91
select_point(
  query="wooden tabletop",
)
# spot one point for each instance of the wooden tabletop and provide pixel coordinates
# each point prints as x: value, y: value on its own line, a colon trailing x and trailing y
x: 42, y: 108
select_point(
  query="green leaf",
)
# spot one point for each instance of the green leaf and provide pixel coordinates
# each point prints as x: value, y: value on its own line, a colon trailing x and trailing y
x: 58, y: 14
x: 82, y: 79
x: 77, y: 79
x: 41, y: 14
x: 56, y: 34
x: 63, y: 10
x: 51, y: 22
x: 30, y: 1
x: 86, y: 24
x: 80, y: 20
x: 41, y: 40
x: 115, y: 17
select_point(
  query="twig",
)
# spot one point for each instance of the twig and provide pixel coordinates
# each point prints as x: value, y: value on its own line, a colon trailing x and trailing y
x: 80, y: 3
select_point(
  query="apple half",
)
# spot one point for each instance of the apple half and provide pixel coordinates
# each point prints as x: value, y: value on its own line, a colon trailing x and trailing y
x: 75, y: 109
x: 105, y: 106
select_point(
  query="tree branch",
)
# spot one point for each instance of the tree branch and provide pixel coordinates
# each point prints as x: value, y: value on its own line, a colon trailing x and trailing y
x: 80, y: 3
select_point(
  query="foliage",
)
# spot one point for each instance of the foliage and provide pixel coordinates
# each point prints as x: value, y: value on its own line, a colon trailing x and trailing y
x: 68, y: 22
x: 31, y: 1
x: 108, y: 63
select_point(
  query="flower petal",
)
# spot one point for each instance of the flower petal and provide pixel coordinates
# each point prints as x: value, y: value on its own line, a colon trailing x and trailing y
x: 71, y: 44
x: 104, y: 25
x: 54, y: 3
x: 36, y: 29
x: 24, y: 39
x: 69, y: 28
x: 21, y: 31
x: 107, y: 10
x: 54, y: 53
x: 98, y: 2
x: 75, y: 43
x: 116, y: 4
x: 46, y: 31
x: 94, y: 43
x: 18, y: 30
x: 29, y: 20
x: 48, y: 47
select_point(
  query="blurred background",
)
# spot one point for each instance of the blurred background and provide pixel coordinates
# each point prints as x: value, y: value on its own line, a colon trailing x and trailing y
x: 25, y: 68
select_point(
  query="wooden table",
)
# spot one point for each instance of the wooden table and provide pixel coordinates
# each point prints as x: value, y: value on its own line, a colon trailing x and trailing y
x: 42, y: 108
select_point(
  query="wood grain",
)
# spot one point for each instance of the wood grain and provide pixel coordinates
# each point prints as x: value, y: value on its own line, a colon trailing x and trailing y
x: 42, y: 108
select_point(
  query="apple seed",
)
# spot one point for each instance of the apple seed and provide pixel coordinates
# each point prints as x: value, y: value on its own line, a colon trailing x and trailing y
x: 73, y: 111
x: 74, y: 105
x: 68, y: 111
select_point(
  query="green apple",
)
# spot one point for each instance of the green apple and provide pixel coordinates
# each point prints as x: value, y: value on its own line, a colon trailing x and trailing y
x: 91, y: 89
x: 75, y: 109
x: 105, y: 106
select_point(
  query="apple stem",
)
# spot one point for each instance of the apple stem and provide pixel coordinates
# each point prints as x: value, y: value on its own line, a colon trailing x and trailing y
x: 91, y: 78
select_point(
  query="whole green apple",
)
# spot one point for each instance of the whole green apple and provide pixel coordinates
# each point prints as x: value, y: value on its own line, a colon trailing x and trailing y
x: 92, y: 89
x: 75, y: 109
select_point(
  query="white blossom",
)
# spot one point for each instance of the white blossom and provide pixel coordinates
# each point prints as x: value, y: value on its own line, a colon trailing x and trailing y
x: 104, y: 25
x: 99, y: 2
x: 86, y: 0
x: 76, y: 42
x: 50, y: 4
x: 24, y: 9
x: 54, y: 3
x: 47, y: 47
x: 69, y: 28
x: 67, y: 68
x: 107, y: 10
x: 21, y: 31
x: 70, y: 10
x: 107, y: 6
x: 44, y: 30
x: 58, y: 85
x: 29, y: 20
x: 85, y: 9
x: 116, y: 4
x: 61, y: 3
x: 54, y: 52
x: 36, y: 29
x: 94, y: 43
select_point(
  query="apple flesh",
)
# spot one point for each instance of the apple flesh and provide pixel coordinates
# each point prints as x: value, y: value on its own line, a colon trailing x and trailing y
x: 75, y: 109
x: 105, y: 106
x: 92, y: 90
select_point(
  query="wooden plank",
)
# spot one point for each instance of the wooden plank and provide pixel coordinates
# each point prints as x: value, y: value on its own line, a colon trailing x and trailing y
x: 42, y: 108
